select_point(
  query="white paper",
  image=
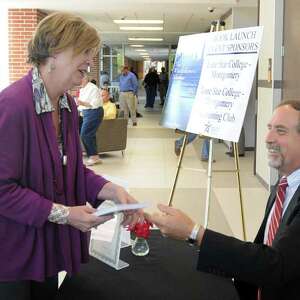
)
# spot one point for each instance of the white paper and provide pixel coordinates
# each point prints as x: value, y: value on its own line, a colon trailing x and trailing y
x: 229, y: 66
x: 117, y: 208
x: 104, y: 232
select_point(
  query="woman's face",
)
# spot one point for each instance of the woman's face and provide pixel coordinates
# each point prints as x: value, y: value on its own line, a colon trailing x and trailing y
x: 70, y: 69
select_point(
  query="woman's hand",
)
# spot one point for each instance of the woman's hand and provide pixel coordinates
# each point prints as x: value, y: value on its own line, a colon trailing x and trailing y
x: 82, y: 218
x: 118, y: 194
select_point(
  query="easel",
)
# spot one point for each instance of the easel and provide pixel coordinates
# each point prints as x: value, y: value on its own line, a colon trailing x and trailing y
x: 215, y: 26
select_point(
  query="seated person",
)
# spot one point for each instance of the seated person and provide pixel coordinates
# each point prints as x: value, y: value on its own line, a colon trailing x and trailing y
x: 268, y: 268
x: 110, y: 109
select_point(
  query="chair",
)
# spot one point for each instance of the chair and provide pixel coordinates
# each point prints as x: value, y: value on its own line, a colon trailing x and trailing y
x: 112, y: 135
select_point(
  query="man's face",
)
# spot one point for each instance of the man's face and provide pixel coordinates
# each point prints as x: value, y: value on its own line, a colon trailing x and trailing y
x: 125, y: 71
x: 283, y: 140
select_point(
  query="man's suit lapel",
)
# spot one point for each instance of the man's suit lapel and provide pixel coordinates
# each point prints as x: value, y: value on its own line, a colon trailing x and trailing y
x: 260, y: 235
x: 291, y: 208
x: 286, y: 217
x: 271, y: 200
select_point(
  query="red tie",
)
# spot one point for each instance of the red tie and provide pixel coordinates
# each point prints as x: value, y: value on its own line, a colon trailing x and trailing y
x: 277, y: 211
x: 276, y: 216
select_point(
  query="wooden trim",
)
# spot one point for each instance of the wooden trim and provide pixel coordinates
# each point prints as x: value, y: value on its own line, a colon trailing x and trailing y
x: 276, y: 84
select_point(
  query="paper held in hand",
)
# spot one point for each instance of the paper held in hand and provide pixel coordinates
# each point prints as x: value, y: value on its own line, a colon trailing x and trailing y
x: 117, y: 208
x: 110, y: 237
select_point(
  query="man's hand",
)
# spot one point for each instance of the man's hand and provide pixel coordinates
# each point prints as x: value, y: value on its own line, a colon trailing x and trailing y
x: 173, y: 222
x: 118, y: 194
x: 82, y: 218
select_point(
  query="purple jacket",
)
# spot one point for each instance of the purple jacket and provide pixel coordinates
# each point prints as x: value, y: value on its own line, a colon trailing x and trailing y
x: 31, y: 179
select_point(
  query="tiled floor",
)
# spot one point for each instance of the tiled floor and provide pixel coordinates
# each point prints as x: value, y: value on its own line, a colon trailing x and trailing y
x: 149, y: 167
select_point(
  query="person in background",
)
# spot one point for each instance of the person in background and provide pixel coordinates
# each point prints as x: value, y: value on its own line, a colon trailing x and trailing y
x: 191, y: 137
x: 138, y: 115
x: 110, y: 109
x: 90, y: 105
x: 44, y: 185
x: 163, y: 85
x: 128, y: 92
x: 104, y: 80
x: 76, y: 97
x: 151, y: 81
x: 135, y: 73
x: 94, y: 81
x: 268, y: 268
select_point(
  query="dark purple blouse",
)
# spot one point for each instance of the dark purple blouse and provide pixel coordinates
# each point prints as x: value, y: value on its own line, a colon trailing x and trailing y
x: 32, y: 177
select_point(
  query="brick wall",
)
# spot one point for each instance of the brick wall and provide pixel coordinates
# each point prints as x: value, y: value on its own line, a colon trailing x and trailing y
x: 21, y: 25
x: 94, y: 74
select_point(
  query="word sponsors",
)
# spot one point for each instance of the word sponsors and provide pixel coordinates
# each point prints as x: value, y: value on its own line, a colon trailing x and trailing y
x: 229, y: 64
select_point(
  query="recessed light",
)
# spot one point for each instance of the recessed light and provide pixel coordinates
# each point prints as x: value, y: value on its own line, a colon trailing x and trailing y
x: 141, y: 50
x: 143, y: 28
x: 136, y: 46
x: 138, y: 21
x: 146, y: 39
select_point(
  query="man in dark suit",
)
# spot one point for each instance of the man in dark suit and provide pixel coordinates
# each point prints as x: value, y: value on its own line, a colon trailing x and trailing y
x: 268, y: 268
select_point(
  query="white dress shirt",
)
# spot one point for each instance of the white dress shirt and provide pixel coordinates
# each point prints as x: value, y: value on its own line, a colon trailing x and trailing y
x: 90, y: 94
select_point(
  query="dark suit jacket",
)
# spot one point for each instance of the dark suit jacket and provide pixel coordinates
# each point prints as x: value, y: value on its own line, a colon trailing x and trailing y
x: 275, y: 269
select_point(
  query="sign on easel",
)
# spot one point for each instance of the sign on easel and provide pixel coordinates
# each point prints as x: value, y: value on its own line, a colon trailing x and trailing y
x: 229, y: 64
x: 184, y: 81
x: 211, y: 82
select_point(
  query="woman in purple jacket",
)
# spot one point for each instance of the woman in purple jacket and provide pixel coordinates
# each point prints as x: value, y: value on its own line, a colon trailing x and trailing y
x: 44, y: 185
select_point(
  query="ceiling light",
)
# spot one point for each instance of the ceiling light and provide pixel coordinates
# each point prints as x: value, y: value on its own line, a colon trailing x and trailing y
x: 136, y: 46
x: 146, y: 39
x: 150, y: 28
x: 141, y: 50
x: 138, y: 21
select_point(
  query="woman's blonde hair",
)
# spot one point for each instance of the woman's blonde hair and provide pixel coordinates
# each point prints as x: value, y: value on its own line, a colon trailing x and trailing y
x: 58, y: 32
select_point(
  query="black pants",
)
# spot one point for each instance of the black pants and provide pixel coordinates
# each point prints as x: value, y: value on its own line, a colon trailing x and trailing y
x: 29, y: 290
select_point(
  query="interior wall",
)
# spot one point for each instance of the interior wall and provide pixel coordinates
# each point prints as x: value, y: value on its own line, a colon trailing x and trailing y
x: 291, y: 61
x: 269, y: 91
x: 228, y: 21
x: 241, y: 18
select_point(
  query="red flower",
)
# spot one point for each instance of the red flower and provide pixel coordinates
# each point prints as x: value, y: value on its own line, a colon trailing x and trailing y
x: 142, y: 229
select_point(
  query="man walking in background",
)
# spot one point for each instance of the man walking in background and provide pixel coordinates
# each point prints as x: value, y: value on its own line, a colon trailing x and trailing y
x: 128, y: 91
x: 163, y: 85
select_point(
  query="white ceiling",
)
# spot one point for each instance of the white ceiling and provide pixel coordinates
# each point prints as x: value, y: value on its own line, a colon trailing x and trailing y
x: 180, y: 17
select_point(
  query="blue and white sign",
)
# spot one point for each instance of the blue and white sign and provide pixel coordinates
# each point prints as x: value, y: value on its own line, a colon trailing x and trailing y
x: 184, y: 81
x: 229, y: 66
x: 226, y: 67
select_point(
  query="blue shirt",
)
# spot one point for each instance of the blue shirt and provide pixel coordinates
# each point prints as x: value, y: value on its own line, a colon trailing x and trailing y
x: 128, y: 83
